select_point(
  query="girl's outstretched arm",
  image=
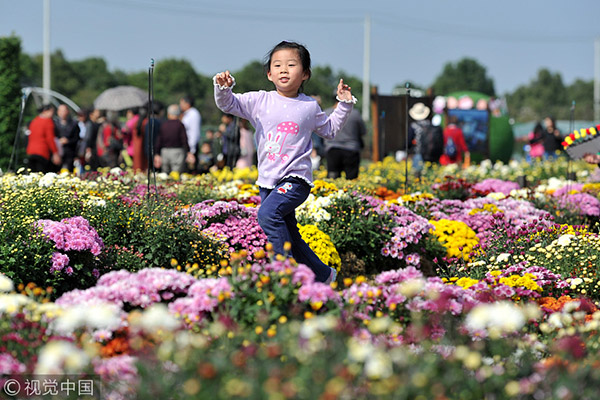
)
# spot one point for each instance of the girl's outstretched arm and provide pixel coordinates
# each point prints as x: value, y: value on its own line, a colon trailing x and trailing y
x: 239, y: 104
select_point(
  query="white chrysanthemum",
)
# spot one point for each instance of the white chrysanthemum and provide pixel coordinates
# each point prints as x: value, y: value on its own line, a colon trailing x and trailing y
x: 379, y: 325
x: 411, y: 287
x: 500, y: 316
x: 359, y: 350
x: 50, y: 310
x: 378, y: 365
x: 97, y: 201
x: 69, y: 320
x: 571, y: 306
x: 487, y: 164
x: 163, y: 176
x: 229, y: 189
x: 47, y: 180
x: 6, y: 284
x: 311, y: 327
x: 115, y: 171
x: 103, y: 316
x: 94, y: 316
x: 555, y: 183
x: 555, y: 320
x: 519, y: 193
x: 565, y: 240
x: 496, y: 195
x: 12, y: 303
x: 157, y: 317
x: 58, y: 357
x: 502, y: 257
x: 314, y: 208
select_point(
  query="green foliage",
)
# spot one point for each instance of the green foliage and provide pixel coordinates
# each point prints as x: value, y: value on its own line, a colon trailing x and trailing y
x: 466, y: 74
x: 174, y: 78
x: 353, y: 230
x: 150, y: 236
x: 582, y: 92
x: 10, y: 95
x: 22, y: 335
x: 545, y: 95
x: 21, y: 244
x: 193, y: 193
x: 251, y: 77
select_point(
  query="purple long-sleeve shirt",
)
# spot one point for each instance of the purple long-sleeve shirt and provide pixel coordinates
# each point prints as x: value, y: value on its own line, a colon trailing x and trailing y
x: 283, y: 130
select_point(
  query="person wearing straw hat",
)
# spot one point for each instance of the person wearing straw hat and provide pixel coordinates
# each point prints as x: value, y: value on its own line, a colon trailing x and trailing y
x: 426, y: 139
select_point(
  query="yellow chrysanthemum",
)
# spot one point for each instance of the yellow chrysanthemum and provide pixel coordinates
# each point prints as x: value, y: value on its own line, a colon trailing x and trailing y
x: 487, y: 208
x: 465, y: 282
x: 526, y: 281
x: 456, y: 237
x: 321, y: 244
x: 323, y: 188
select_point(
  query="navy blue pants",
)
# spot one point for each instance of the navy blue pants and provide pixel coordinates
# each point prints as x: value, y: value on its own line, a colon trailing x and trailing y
x: 277, y: 217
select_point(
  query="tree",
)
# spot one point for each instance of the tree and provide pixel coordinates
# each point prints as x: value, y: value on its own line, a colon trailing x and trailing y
x: 466, y: 74
x: 93, y: 77
x: 10, y: 95
x: 544, y: 96
x: 324, y: 81
x: 174, y: 78
x: 251, y: 77
x: 582, y: 92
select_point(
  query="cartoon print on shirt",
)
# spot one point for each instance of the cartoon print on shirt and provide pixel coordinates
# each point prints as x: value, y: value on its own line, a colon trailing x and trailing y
x: 284, y: 188
x: 273, y: 147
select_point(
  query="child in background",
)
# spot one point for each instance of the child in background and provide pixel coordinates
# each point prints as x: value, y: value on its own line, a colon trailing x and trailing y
x: 284, y: 120
x: 205, y: 157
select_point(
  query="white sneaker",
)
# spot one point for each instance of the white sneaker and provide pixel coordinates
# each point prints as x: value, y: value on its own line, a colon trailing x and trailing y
x: 332, y: 276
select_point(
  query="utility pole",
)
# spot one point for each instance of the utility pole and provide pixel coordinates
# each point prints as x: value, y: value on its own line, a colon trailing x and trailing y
x: 366, y: 89
x: 46, y: 55
x: 597, y: 80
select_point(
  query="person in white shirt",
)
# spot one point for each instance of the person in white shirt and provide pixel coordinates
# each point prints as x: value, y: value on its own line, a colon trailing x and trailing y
x: 192, y: 121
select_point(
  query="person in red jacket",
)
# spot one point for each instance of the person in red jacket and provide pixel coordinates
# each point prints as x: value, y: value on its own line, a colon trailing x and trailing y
x: 455, y: 146
x: 42, y: 150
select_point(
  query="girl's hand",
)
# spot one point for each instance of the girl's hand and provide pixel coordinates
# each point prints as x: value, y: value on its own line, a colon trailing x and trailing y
x: 224, y: 79
x: 343, y: 91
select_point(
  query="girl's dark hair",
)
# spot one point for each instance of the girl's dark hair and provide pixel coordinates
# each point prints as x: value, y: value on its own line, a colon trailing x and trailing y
x: 302, y: 53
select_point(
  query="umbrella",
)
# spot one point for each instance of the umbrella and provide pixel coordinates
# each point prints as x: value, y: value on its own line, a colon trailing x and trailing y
x: 121, y: 98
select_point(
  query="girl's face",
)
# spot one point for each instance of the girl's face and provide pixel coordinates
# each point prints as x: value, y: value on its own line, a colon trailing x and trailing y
x: 286, y: 72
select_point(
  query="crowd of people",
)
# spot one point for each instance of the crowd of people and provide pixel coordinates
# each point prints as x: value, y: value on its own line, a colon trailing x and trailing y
x: 58, y: 141
x: 170, y: 138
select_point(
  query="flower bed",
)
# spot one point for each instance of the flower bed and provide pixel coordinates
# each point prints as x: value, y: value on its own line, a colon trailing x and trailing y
x: 470, y: 288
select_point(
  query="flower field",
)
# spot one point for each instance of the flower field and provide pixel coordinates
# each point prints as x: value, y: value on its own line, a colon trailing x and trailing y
x: 459, y: 285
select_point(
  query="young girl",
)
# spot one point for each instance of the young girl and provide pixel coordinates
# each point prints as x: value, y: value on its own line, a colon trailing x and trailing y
x: 284, y: 120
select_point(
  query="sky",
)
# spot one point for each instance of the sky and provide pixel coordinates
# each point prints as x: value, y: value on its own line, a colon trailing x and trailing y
x: 409, y: 40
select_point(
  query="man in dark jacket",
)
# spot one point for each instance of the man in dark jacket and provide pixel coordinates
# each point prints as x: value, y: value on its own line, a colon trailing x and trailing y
x: 172, y: 149
x: 67, y: 132
x: 343, y: 151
